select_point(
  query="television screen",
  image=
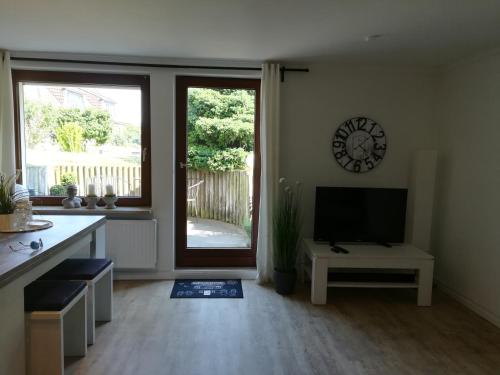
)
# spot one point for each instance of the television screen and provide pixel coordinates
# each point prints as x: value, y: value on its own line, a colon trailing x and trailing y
x: 360, y: 214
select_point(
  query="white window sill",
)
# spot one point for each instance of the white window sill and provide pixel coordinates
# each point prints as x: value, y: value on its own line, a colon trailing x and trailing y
x: 117, y: 213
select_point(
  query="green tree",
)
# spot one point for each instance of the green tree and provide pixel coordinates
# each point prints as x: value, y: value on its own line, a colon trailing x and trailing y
x: 70, y: 137
x: 126, y: 135
x: 96, y: 123
x: 220, y: 128
x: 96, y: 126
x: 43, y: 120
x: 40, y: 121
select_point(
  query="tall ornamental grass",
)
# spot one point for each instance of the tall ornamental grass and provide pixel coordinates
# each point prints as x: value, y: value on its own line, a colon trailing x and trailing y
x: 287, y: 224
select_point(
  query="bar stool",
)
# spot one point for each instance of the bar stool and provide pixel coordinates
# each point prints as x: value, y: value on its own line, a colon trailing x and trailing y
x: 98, y: 274
x: 56, y: 324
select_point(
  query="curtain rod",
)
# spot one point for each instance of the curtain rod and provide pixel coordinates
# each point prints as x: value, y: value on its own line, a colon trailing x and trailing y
x: 147, y: 65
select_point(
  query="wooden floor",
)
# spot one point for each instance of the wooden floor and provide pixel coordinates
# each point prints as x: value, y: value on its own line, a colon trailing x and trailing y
x: 358, y: 332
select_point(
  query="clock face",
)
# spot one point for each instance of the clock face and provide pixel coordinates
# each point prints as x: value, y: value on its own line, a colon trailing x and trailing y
x: 359, y: 144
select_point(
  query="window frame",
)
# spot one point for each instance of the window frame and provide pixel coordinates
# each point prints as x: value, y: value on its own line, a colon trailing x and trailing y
x: 21, y: 76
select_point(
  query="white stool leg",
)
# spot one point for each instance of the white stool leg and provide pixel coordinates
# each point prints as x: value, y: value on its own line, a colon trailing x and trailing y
x: 91, y: 313
x: 319, y: 282
x: 104, y: 298
x: 75, y: 330
x: 425, y: 274
x: 45, y: 344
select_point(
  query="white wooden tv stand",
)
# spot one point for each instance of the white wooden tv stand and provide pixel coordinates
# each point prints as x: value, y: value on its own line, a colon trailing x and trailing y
x: 367, y: 256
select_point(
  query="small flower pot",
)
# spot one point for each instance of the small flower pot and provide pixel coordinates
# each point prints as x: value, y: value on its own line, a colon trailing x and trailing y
x: 92, y: 202
x: 7, y: 221
x: 284, y: 282
x: 110, y: 201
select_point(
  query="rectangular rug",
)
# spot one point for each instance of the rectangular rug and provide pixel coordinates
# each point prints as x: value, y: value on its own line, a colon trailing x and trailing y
x: 220, y: 288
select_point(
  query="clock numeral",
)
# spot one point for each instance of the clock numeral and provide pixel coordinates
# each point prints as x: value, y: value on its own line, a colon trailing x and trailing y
x: 340, y: 154
x: 341, y: 134
x: 362, y: 123
x: 357, y: 165
x: 349, y: 126
x: 376, y: 157
x: 379, y: 147
x: 373, y: 124
x: 338, y: 144
x: 380, y: 134
x: 369, y: 163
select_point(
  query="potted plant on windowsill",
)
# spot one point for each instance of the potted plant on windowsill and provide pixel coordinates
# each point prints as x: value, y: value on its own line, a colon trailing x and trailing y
x: 287, y: 225
x: 7, y: 200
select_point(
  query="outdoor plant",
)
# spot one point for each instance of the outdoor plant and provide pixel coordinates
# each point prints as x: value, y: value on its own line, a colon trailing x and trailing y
x: 287, y: 225
x: 205, y: 158
x: 45, y: 121
x: 70, y: 137
x: 8, y: 197
x: 220, y: 129
x: 66, y: 180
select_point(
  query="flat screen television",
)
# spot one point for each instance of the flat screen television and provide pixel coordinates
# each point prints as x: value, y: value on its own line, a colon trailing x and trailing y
x: 345, y: 214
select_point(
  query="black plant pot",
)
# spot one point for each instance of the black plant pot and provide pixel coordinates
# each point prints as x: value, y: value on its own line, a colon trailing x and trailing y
x: 284, y: 282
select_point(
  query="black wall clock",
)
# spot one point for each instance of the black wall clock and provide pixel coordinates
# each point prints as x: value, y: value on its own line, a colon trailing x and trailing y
x: 359, y: 144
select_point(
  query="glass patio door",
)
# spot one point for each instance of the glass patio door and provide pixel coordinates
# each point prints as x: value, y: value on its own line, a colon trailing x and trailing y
x: 217, y: 171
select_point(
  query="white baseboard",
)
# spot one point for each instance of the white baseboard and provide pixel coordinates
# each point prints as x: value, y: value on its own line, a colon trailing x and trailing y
x: 189, y: 273
x: 478, y: 309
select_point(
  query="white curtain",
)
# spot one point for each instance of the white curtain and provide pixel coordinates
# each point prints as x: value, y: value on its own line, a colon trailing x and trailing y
x: 269, y: 146
x: 7, y: 158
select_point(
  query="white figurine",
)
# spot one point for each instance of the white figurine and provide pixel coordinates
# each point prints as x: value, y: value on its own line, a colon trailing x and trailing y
x: 72, y: 201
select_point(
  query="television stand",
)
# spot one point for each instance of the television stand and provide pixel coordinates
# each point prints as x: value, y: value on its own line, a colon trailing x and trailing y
x: 404, y: 256
x: 386, y: 244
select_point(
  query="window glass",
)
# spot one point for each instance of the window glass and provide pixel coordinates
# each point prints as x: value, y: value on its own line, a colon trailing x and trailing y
x: 83, y: 135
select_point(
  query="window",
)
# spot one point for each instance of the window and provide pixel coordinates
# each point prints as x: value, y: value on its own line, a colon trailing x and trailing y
x: 83, y: 129
x: 73, y: 100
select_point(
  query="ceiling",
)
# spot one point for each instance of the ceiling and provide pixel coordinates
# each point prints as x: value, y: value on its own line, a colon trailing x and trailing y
x: 430, y: 32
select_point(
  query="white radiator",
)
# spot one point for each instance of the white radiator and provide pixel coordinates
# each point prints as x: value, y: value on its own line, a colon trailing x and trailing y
x: 131, y: 243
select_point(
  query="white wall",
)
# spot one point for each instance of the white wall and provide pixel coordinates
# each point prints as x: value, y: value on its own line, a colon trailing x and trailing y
x: 314, y: 104
x: 467, y: 230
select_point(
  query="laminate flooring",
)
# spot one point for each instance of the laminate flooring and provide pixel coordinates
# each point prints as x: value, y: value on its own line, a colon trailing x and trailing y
x: 359, y: 331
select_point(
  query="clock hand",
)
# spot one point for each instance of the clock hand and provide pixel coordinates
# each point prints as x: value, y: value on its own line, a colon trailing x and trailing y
x: 364, y: 149
x: 362, y: 143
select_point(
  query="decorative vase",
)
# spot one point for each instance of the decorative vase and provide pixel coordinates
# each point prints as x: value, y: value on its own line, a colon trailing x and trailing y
x: 7, y: 221
x: 284, y: 281
x: 110, y: 201
x: 92, y: 202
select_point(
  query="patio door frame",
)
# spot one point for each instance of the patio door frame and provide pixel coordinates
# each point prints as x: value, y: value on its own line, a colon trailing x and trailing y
x: 211, y: 257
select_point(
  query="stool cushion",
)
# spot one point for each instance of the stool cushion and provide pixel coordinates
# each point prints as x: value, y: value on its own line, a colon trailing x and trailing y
x: 77, y: 269
x: 51, y: 295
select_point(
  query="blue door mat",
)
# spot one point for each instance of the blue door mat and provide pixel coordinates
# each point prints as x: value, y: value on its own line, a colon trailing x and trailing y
x: 221, y: 288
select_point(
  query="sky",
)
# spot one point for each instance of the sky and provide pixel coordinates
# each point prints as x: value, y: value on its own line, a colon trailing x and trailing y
x: 128, y: 103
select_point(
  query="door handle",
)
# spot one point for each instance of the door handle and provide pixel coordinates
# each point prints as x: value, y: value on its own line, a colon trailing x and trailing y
x: 182, y: 165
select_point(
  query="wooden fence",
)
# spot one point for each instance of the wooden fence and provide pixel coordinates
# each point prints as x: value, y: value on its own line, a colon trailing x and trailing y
x: 224, y: 196
x: 126, y: 180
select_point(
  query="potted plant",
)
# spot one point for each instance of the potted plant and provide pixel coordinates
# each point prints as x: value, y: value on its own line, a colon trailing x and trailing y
x: 287, y: 224
x: 7, y: 200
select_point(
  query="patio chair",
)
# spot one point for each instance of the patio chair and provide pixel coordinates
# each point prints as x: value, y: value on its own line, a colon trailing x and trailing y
x: 192, y: 193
